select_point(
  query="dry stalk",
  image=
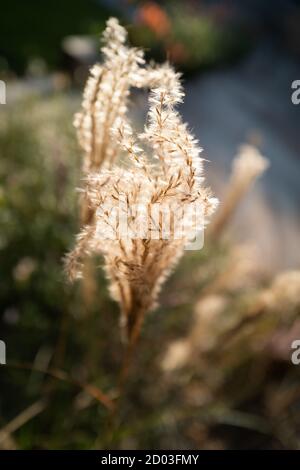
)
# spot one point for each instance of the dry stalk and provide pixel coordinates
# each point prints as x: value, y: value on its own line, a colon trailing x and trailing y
x: 247, y: 167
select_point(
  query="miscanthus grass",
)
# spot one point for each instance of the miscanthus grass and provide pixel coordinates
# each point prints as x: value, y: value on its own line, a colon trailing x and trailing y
x: 159, y: 169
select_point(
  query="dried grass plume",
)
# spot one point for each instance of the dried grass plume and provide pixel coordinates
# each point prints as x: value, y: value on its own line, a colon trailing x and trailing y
x: 124, y: 170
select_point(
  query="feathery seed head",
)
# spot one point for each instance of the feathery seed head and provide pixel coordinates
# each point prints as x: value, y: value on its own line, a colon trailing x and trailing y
x: 141, y: 203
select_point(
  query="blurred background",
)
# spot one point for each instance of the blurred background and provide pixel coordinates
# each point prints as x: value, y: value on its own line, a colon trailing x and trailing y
x: 214, y: 366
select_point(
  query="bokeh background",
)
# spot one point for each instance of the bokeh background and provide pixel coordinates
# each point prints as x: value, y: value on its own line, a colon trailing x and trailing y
x: 213, y: 368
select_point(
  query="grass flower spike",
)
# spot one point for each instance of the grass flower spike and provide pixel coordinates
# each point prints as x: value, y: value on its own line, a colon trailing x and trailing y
x: 105, y: 96
x: 157, y: 177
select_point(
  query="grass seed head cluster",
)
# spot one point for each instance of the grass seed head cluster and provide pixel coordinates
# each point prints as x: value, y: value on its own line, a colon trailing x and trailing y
x: 159, y: 167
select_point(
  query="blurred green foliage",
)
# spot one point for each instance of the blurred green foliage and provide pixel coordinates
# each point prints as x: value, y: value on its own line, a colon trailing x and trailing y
x: 31, y: 28
x: 194, y: 39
